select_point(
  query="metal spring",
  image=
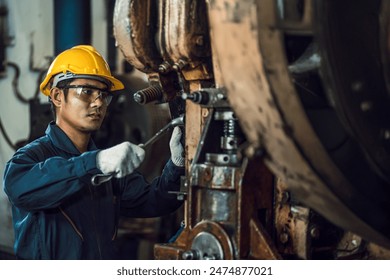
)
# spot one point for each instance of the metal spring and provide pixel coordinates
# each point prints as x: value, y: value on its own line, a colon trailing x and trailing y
x: 148, y: 94
x: 230, y: 128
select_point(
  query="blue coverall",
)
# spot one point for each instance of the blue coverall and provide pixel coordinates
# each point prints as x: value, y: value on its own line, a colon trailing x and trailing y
x: 58, y: 214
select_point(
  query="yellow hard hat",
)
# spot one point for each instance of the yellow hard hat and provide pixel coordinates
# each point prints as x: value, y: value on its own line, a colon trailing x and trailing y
x: 81, y: 61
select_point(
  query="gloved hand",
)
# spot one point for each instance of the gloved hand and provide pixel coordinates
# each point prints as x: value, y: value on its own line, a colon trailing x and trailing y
x: 121, y: 159
x: 177, y: 150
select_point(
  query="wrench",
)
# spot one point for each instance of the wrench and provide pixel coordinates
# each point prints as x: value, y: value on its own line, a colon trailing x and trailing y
x: 99, y: 179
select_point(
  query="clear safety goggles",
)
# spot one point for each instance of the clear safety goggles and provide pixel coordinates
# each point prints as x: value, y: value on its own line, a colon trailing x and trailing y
x: 90, y: 94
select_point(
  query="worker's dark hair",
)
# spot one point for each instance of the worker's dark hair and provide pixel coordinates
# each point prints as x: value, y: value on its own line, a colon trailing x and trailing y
x: 61, y: 84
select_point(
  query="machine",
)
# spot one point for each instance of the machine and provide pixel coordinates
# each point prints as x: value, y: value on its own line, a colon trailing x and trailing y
x: 286, y: 106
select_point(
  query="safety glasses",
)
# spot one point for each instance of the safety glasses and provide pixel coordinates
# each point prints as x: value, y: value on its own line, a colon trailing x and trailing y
x: 90, y: 94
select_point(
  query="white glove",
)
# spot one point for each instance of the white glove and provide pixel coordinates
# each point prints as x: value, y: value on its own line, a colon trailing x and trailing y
x: 121, y: 159
x: 177, y: 150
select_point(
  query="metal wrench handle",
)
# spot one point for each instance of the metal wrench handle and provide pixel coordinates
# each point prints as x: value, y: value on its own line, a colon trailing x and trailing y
x: 173, y: 123
x: 99, y: 179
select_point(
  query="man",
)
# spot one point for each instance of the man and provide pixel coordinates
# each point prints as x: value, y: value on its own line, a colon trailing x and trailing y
x: 57, y: 213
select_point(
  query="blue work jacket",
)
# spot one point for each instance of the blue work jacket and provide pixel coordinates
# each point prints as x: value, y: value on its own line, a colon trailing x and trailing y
x: 59, y: 214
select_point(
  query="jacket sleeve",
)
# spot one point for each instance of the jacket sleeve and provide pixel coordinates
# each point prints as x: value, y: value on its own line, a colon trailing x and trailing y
x: 32, y: 184
x: 141, y: 199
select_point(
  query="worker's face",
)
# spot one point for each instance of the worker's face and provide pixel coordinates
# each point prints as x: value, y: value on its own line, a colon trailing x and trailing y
x: 84, y: 107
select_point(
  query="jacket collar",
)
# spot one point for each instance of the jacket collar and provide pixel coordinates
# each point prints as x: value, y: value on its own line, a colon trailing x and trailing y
x: 63, y: 142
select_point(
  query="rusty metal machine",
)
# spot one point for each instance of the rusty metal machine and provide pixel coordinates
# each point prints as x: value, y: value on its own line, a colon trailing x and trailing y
x: 287, y: 107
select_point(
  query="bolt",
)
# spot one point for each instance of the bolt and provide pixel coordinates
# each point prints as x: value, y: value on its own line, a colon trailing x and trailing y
x: 250, y: 152
x: 199, y: 40
x: 139, y: 98
x: 315, y: 232
x: 179, y: 65
x: 284, y: 237
x: 165, y: 67
x: 207, y: 175
x: 190, y: 255
x: 285, y: 197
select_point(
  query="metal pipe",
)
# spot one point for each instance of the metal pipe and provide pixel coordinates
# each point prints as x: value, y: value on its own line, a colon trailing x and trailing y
x: 72, y: 24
